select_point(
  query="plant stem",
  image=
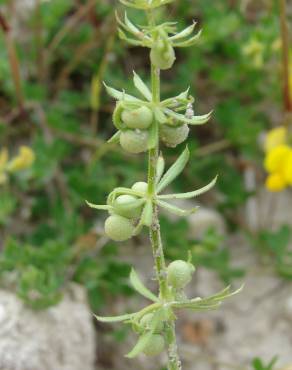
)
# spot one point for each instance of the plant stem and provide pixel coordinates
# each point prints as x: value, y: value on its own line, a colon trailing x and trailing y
x: 155, y: 237
x: 13, y: 61
x: 285, y: 57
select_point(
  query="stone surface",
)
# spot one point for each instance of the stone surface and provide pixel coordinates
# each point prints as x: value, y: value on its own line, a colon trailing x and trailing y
x: 59, y: 338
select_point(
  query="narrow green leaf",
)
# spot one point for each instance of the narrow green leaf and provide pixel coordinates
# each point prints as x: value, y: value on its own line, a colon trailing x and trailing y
x: 144, y: 338
x: 102, y: 207
x: 140, y: 345
x: 115, y: 138
x: 129, y: 40
x: 191, y: 41
x: 190, y: 194
x: 140, y: 287
x: 173, y: 101
x: 115, y: 318
x: 117, y: 116
x: 196, y: 120
x: 184, y: 33
x: 131, y: 27
x: 174, y: 170
x: 175, y: 210
x: 120, y: 95
x: 142, y: 87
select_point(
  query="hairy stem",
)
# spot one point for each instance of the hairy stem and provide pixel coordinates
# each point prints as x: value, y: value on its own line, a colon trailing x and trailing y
x: 155, y: 237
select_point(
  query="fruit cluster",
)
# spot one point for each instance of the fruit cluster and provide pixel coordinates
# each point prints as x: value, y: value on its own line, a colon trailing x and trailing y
x: 135, y: 124
x: 124, y: 212
x: 179, y: 274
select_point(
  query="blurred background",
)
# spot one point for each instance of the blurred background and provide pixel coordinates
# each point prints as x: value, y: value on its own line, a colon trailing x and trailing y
x: 56, y: 265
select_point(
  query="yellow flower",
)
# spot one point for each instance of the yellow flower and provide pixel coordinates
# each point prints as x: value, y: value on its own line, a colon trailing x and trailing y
x: 23, y: 160
x: 275, y: 137
x: 275, y: 182
x: 254, y: 49
x: 276, y: 158
x: 288, y: 169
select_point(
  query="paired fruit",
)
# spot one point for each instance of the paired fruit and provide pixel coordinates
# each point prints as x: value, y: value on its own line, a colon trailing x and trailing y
x: 146, y: 322
x: 179, y: 273
x: 134, y: 141
x: 118, y: 228
x: 174, y: 135
x: 140, y: 186
x: 162, y: 54
x: 140, y: 118
x: 124, y: 206
x: 155, y: 345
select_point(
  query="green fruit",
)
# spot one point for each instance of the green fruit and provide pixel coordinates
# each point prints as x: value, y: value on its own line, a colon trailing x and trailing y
x: 140, y: 118
x: 162, y: 55
x: 123, y: 206
x: 146, y: 321
x: 118, y: 228
x: 155, y: 345
x: 179, y: 273
x: 140, y: 186
x: 172, y: 136
x: 134, y: 141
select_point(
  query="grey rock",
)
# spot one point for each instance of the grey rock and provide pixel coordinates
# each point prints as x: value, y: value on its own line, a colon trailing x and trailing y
x: 59, y: 338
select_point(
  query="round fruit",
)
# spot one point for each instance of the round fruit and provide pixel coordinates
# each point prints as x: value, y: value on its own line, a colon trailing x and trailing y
x: 140, y: 118
x: 146, y: 321
x: 134, y: 141
x: 172, y: 136
x: 140, y: 186
x: 162, y: 55
x: 155, y: 345
x: 118, y: 228
x: 123, y: 206
x: 179, y: 273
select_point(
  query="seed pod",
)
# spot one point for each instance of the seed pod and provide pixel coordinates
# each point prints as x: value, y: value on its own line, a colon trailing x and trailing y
x: 162, y: 54
x: 118, y: 228
x: 140, y: 118
x: 123, y: 206
x: 155, y: 345
x: 146, y: 321
x: 179, y: 273
x: 134, y: 141
x: 172, y: 136
x: 140, y: 186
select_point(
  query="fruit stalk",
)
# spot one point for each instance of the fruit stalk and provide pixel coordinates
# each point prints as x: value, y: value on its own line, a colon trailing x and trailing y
x: 174, y: 362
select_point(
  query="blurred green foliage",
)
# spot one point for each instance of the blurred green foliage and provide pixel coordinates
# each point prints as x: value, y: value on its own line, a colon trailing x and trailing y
x: 259, y: 365
x: 65, y: 50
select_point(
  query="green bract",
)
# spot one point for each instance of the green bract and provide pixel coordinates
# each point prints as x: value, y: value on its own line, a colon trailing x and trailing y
x: 179, y: 273
x: 140, y: 118
x: 172, y: 136
x: 118, y: 228
x: 155, y: 345
x: 134, y: 141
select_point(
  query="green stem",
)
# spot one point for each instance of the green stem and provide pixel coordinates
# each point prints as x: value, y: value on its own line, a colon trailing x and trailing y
x: 155, y: 237
x: 285, y: 57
